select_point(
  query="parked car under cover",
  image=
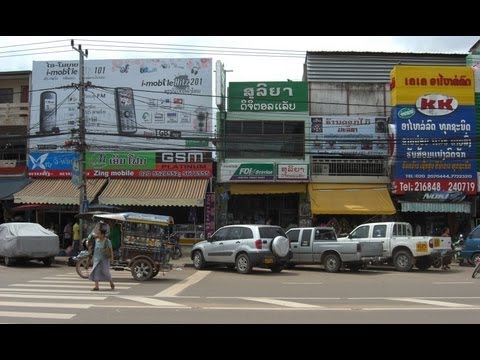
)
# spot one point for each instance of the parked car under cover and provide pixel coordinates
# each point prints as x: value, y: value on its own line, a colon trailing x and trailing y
x: 22, y: 241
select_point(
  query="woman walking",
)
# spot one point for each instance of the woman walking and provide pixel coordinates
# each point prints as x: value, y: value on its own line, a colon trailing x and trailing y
x: 102, y: 254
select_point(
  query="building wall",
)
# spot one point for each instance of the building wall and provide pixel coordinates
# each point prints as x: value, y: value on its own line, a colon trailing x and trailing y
x: 334, y: 98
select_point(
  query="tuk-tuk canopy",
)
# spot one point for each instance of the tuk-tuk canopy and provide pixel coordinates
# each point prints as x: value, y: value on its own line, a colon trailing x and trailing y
x: 137, y: 218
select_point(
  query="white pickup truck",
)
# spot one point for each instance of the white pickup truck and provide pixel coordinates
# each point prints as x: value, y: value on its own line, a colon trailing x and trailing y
x: 319, y: 245
x: 401, y: 248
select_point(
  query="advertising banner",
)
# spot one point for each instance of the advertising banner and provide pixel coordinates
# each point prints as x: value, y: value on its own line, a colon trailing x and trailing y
x: 51, y: 164
x: 434, y: 117
x: 349, y: 135
x: 133, y: 164
x: 408, y: 83
x: 209, y: 214
x: 141, y: 103
x: 252, y: 172
x: 283, y: 96
x: 435, y: 153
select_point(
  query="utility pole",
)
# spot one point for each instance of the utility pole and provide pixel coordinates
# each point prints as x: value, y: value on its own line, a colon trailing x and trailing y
x: 83, y: 201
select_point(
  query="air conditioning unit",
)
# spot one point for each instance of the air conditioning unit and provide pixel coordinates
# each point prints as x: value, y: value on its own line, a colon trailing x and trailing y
x: 324, y: 169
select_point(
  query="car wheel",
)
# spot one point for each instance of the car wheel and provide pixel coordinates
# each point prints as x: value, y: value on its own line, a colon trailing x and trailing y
x: 142, y: 269
x: 332, y: 263
x: 243, y: 264
x: 403, y: 261
x: 280, y: 246
x: 48, y: 261
x: 198, y: 260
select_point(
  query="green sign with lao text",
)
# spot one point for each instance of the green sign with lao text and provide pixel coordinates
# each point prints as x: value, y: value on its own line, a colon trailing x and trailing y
x: 279, y: 96
x: 125, y: 160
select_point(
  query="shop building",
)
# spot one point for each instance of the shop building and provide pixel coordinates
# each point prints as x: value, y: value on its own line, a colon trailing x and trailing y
x: 14, y: 121
x: 263, y: 168
x: 351, y: 159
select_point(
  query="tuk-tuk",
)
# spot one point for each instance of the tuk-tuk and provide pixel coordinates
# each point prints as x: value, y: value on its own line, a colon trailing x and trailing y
x: 142, y: 247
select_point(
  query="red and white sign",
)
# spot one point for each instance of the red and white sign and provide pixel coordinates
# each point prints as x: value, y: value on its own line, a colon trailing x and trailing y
x: 436, y: 104
x: 292, y: 172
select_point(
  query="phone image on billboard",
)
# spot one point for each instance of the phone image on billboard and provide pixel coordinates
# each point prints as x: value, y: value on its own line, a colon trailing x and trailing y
x: 200, y: 119
x: 48, y: 112
x: 125, y: 109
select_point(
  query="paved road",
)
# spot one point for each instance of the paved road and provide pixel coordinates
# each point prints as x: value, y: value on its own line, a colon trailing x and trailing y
x: 36, y: 294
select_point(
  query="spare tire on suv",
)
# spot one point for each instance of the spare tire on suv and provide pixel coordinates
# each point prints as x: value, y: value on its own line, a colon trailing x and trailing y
x: 280, y: 246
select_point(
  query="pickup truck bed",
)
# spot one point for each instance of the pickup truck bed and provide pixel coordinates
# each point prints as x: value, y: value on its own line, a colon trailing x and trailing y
x: 319, y: 245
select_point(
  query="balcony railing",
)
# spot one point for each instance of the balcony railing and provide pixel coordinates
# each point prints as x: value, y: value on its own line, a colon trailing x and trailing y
x: 349, y: 167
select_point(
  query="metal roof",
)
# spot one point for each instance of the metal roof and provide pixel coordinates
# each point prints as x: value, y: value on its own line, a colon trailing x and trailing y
x: 338, y: 66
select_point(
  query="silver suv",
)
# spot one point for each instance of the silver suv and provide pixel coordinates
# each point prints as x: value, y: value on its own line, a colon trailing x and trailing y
x: 243, y: 247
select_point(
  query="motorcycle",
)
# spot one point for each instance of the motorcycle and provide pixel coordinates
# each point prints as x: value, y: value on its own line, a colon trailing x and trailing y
x: 174, y: 244
x: 83, y: 261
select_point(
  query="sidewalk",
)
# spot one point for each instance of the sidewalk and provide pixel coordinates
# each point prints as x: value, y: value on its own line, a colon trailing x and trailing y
x: 184, y: 261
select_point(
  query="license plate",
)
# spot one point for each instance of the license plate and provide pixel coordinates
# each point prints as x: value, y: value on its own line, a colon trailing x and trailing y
x: 422, y: 247
x: 268, y: 261
x: 436, y: 242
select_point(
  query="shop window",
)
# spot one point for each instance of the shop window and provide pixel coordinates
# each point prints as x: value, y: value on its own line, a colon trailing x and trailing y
x: 264, y: 139
x: 6, y: 95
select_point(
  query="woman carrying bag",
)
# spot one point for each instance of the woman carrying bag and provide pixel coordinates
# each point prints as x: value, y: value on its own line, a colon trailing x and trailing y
x: 102, y: 254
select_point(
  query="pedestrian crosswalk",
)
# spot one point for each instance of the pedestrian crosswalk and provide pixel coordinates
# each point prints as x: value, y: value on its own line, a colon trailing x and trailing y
x: 66, y: 297
x: 54, y: 298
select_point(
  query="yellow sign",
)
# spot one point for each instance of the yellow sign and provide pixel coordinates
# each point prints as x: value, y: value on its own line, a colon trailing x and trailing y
x: 422, y: 247
x: 408, y: 83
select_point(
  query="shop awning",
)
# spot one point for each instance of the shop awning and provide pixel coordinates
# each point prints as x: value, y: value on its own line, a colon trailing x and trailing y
x: 57, y: 191
x: 8, y: 187
x: 154, y: 192
x: 460, y: 207
x: 350, y: 199
x: 256, y: 189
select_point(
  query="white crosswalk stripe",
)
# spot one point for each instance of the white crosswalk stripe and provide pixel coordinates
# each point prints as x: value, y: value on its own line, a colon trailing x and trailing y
x: 60, y: 294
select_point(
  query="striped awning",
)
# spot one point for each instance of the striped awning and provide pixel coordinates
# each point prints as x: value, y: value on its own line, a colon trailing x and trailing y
x: 56, y: 191
x: 460, y: 207
x: 154, y: 192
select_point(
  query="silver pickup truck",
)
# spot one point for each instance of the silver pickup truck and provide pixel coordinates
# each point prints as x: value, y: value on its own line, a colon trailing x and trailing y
x: 319, y: 245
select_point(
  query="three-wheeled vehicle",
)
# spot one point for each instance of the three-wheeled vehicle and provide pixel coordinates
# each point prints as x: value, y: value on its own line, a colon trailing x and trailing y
x: 143, y: 247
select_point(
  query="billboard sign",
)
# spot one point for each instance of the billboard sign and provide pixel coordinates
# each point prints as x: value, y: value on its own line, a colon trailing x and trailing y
x: 140, y: 102
x: 349, y: 135
x: 133, y: 164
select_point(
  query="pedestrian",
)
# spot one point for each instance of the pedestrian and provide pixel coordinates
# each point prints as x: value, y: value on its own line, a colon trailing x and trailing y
x: 67, y: 234
x: 446, y: 232
x: 446, y: 261
x: 76, y: 238
x: 102, y: 254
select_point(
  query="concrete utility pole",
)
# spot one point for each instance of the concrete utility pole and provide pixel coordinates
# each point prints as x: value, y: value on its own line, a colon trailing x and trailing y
x: 83, y: 201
